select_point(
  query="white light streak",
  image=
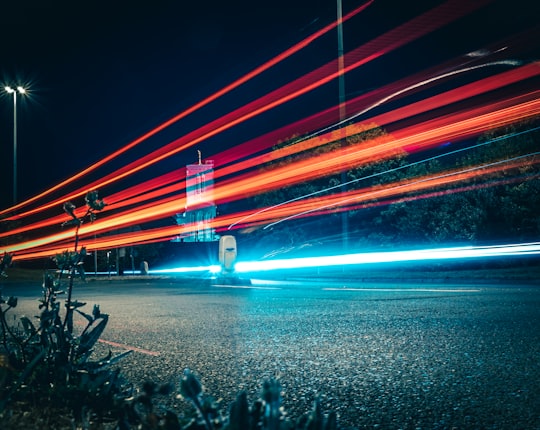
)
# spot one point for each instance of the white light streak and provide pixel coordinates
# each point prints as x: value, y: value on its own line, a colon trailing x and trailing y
x: 406, y: 290
x: 520, y: 249
x: 211, y: 269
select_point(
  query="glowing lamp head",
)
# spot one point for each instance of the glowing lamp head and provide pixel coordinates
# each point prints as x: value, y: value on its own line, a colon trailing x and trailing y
x: 19, y: 89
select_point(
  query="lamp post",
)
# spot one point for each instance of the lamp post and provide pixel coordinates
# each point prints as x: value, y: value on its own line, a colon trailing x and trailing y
x: 13, y: 91
x: 342, y: 115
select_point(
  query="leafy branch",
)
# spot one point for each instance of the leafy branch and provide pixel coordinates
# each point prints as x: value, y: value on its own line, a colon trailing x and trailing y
x: 35, y: 358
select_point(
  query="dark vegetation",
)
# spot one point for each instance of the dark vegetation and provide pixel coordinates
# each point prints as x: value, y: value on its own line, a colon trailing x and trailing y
x: 50, y: 380
x: 492, y: 207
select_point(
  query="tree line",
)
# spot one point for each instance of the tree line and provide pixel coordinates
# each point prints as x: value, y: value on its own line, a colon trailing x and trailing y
x: 500, y: 201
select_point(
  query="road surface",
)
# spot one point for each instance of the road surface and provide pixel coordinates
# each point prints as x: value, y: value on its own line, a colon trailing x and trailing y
x: 392, y: 355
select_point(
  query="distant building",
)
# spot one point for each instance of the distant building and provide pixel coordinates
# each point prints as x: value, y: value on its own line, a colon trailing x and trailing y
x: 200, y: 208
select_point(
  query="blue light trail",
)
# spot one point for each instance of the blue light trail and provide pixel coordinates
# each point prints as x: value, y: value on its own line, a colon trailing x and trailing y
x: 463, y: 253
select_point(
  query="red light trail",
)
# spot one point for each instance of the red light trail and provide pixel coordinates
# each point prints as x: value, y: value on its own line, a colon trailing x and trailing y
x: 457, y: 114
x: 291, y: 210
x: 426, y: 105
x: 378, y: 47
x: 173, y: 181
x: 257, y: 71
x: 415, y: 185
x: 419, y: 137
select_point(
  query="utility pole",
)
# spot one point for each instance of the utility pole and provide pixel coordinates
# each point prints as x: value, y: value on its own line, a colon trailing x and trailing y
x: 342, y: 116
x: 14, y: 91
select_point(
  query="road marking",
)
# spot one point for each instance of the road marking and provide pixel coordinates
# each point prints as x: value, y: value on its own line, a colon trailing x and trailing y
x: 122, y: 346
x: 402, y: 290
x: 248, y: 287
x: 131, y: 348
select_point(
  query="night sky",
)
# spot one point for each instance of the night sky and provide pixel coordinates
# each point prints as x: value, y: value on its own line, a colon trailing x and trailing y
x: 100, y: 73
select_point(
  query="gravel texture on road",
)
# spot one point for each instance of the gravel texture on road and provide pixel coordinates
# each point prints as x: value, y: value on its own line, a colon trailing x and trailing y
x: 384, y: 356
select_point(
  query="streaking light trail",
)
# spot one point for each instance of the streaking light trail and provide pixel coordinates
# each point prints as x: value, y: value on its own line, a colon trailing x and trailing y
x: 519, y: 249
x: 453, y: 116
x: 173, y: 181
x: 354, y: 181
x: 414, y: 185
x: 415, y: 86
x: 392, y: 90
x: 176, y: 270
x: 294, y: 49
x: 331, y: 208
x: 378, y: 47
x: 441, y: 130
x: 413, y: 139
x: 42, y: 247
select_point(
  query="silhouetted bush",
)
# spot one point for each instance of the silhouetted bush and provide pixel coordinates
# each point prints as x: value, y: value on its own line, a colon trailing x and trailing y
x: 48, y: 379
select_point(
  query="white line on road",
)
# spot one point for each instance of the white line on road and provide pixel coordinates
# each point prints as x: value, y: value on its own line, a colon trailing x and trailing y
x: 247, y: 287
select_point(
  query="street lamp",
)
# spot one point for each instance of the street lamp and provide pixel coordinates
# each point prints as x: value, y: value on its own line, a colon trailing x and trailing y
x: 342, y: 115
x: 13, y: 91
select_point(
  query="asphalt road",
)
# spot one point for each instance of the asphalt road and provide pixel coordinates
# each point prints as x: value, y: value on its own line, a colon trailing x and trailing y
x: 390, y: 356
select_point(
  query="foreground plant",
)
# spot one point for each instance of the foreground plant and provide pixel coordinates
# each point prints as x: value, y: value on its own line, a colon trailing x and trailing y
x: 46, y: 368
x: 48, y: 363
x: 265, y: 413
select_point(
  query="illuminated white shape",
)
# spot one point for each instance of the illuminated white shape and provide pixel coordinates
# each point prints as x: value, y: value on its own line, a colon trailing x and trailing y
x: 10, y: 90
